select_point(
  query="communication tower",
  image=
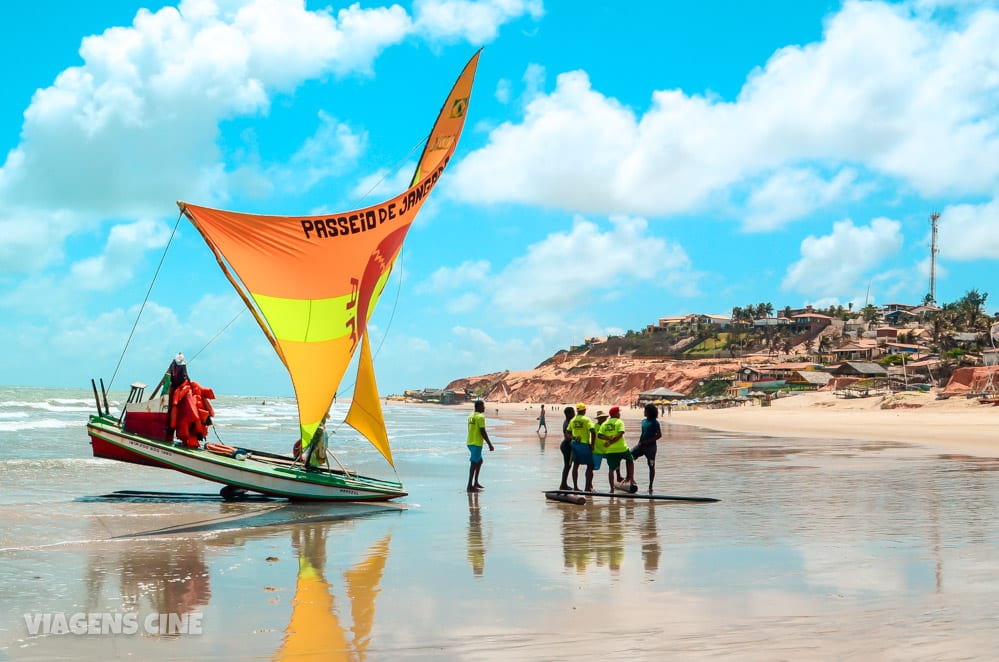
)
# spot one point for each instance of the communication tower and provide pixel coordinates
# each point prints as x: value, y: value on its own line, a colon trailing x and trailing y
x: 933, y: 258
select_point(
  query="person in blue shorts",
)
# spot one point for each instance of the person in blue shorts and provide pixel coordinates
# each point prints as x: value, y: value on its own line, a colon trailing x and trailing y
x: 476, y: 435
x: 581, y: 429
x: 651, y: 433
x: 598, y: 453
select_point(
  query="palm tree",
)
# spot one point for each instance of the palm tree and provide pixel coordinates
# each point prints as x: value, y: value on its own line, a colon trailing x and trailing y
x: 970, y: 307
x: 825, y: 344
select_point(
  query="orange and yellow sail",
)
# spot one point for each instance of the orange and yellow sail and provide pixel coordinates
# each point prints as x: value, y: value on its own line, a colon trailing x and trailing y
x: 312, y: 282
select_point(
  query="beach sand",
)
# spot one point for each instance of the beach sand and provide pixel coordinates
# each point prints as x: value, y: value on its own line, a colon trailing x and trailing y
x: 843, y: 531
x: 958, y: 424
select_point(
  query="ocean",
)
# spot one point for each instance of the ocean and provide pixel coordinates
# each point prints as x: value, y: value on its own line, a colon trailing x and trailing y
x: 817, y: 549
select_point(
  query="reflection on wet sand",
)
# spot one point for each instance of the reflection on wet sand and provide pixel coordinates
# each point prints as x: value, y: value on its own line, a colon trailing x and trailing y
x: 168, y: 574
x: 160, y: 580
x: 476, y: 545
x: 596, y: 533
x: 315, y: 629
x: 649, y: 534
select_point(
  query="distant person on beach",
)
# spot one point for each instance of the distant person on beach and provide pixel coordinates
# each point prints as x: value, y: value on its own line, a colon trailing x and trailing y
x: 581, y: 428
x: 476, y: 435
x: 669, y: 408
x: 610, y: 438
x: 566, y: 447
x: 651, y: 433
x: 541, y: 420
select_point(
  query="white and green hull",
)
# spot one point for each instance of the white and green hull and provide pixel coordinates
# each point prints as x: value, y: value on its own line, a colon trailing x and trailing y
x: 265, y: 473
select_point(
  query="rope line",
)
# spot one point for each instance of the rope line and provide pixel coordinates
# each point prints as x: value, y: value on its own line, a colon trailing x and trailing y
x: 144, y: 301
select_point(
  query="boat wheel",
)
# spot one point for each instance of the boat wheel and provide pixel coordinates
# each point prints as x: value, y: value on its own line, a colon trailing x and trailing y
x: 232, y: 493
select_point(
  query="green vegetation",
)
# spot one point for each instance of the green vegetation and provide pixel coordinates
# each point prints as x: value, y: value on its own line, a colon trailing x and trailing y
x: 702, y: 338
x: 712, y: 387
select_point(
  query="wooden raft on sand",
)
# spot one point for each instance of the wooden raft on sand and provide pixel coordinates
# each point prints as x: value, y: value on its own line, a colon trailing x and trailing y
x: 579, y: 497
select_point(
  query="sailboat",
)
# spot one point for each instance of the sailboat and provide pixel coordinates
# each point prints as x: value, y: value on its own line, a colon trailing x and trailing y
x: 311, y: 283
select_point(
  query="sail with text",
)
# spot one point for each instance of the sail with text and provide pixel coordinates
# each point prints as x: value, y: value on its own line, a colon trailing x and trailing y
x: 312, y: 282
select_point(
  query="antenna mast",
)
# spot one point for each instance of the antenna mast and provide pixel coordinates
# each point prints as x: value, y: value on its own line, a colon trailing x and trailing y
x: 933, y: 257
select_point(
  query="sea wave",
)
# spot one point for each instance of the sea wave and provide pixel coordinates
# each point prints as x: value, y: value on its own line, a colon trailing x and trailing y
x: 53, y: 405
x: 54, y: 463
x: 23, y: 425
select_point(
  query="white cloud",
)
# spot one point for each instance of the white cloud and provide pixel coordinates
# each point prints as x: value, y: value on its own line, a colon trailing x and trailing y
x: 791, y: 194
x: 138, y: 122
x: 968, y: 232
x: 33, y: 239
x: 502, y: 92
x: 476, y: 22
x: 840, y: 261
x: 474, y: 335
x: 450, y: 278
x: 463, y: 303
x: 125, y: 248
x: 563, y: 154
x: 331, y: 150
x: 887, y: 92
x: 564, y: 271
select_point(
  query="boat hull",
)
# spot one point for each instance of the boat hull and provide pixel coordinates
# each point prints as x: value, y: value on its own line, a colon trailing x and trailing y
x: 107, y: 450
x: 264, y: 473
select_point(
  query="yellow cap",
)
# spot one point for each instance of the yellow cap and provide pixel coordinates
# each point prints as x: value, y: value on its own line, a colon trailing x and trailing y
x: 580, y: 407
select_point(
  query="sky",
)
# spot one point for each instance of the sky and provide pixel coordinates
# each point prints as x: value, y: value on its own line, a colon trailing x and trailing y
x: 621, y: 162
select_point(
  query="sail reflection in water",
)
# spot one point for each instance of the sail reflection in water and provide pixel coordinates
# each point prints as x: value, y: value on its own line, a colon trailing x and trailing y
x: 315, y: 628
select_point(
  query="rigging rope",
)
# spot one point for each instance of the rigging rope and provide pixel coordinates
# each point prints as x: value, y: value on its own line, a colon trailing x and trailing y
x: 220, y: 332
x: 144, y: 301
x: 398, y: 291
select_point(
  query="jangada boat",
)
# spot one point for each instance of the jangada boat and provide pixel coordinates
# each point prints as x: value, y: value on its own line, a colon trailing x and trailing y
x: 311, y: 283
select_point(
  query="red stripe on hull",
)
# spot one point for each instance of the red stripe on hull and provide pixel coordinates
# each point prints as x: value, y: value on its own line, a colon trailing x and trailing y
x: 109, y: 451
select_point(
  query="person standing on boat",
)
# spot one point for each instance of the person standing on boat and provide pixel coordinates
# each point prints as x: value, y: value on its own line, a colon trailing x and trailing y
x: 476, y: 435
x: 176, y: 375
x: 315, y: 454
x: 610, y: 438
x: 541, y: 420
x: 651, y: 433
x: 581, y: 428
x: 566, y: 448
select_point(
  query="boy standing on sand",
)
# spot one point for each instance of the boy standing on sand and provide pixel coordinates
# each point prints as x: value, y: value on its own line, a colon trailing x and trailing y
x: 541, y: 420
x: 566, y: 447
x: 476, y: 435
x: 651, y: 433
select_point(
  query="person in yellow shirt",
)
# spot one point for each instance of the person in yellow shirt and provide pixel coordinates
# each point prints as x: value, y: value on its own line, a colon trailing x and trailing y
x: 598, y: 450
x: 610, y: 440
x: 476, y: 435
x: 581, y: 429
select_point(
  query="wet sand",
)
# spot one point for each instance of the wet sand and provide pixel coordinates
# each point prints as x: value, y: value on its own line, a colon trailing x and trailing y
x: 822, y: 547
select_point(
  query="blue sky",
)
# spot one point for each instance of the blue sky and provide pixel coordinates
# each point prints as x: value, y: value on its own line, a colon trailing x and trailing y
x: 621, y: 162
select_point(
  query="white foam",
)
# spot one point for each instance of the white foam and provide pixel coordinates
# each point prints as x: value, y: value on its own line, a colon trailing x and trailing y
x: 38, y: 424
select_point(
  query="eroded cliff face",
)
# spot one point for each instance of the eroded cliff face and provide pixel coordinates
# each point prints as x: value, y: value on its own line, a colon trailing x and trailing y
x: 593, y: 379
